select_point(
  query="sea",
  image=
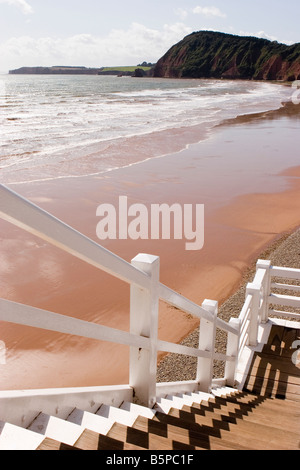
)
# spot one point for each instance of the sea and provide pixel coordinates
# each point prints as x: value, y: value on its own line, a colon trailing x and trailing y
x: 58, y: 130
x: 67, y: 126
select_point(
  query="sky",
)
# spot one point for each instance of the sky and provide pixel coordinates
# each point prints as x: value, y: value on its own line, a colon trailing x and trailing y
x: 96, y: 33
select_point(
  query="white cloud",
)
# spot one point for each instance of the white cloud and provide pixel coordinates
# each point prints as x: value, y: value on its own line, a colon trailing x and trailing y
x: 181, y: 13
x: 22, y: 4
x: 119, y: 47
x: 209, y: 12
x: 262, y: 34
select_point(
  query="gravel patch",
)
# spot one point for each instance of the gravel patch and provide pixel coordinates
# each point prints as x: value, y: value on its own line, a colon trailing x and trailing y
x: 174, y: 367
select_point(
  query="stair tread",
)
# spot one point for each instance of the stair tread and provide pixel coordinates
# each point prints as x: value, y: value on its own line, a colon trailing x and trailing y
x: 117, y: 414
x: 242, y: 421
x: 90, y: 421
x: 56, y: 428
x: 277, y: 388
x: 268, y: 400
x: 272, y: 372
x: 259, y: 406
x: 244, y: 399
x: 51, y: 444
x: 230, y: 433
x: 144, y: 440
x: 139, y: 410
x: 207, y: 437
x: 273, y: 420
x: 14, y: 437
x: 174, y: 432
x: 90, y: 440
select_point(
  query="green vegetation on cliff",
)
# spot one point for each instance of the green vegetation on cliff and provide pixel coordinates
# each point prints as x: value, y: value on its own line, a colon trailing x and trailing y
x: 208, y: 54
x: 124, y: 69
x: 140, y: 70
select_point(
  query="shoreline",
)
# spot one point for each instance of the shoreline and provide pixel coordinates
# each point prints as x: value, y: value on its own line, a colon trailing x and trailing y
x: 249, y: 201
x: 92, y: 160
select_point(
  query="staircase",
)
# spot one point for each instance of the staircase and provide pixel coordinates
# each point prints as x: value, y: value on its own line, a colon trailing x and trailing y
x: 223, y: 419
x: 265, y: 415
x: 261, y: 360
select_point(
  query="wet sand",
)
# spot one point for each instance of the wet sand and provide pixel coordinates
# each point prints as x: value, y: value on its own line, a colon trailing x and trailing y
x: 247, y: 175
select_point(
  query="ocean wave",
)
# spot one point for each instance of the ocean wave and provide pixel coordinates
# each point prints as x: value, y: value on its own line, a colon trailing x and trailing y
x: 58, y: 120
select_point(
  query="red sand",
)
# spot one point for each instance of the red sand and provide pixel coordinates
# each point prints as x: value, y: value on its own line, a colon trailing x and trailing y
x: 247, y: 177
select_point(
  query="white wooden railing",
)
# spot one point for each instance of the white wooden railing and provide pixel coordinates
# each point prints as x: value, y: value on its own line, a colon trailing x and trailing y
x: 260, y: 300
x: 145, y: 291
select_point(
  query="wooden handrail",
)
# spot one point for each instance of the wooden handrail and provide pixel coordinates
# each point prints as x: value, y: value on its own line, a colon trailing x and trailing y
x: 288, y: 273
x: 26, y: 215
x: 13, y: 312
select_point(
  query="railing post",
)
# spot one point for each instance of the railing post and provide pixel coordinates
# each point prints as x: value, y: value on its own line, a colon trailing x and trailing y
x: 207, y: 337
x: 233, y: 351
x: 254, y: 290
x: 144, y: 322
x: 266, y: 265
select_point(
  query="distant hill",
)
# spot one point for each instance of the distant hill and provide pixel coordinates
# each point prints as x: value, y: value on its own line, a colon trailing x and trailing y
x: 140, y: 70
x: 135, y: 71
x: 56, y: 70
x: 208, y: 54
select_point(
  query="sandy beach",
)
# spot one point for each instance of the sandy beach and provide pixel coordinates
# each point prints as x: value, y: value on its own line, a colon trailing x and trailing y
x: 247, y: 175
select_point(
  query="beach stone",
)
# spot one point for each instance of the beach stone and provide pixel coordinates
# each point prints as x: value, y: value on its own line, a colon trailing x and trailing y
x: 285, y: 251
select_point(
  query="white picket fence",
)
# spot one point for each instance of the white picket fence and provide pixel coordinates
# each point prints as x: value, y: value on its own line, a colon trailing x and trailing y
x: 145, y: 292
x: 260, y: 300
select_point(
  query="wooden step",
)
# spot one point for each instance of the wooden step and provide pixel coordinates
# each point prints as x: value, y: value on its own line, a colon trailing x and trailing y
x: 225, y: 419
x: 118, y: 415
x: 164, y: 404
x: 253, y: 426
x: 138, y: 410
x: 57, y: 429
x: 258, y: 404
x: 281, y: 338
x: 256, y: 400
x: 91, y: 440
x: 272, y: 371
x: 247, y: 407
x: 51, y: 444
x: 233, y: 431
x: 205, y: 436
x: 266, y: 417
x: 279, y: 413
x: 175, y: 432
x: 16, y: 438
x: 223, y: 391
x: 270, y: 364
x: 83, y: 427
x: 91, y: 421
x: 141, y: 439
x: 274, y: 388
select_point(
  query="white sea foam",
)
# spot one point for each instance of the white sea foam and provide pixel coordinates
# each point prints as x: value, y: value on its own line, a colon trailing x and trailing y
x: 49, y: 124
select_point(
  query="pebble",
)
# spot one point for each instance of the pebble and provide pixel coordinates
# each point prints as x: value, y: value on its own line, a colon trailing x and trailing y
x: 175, y: 367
